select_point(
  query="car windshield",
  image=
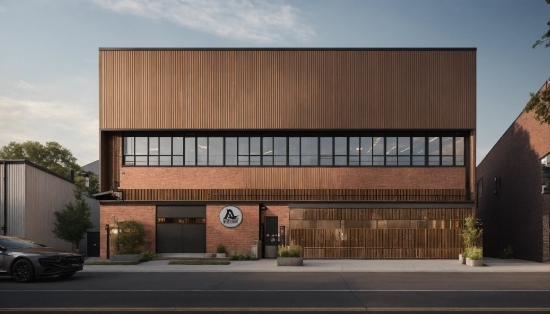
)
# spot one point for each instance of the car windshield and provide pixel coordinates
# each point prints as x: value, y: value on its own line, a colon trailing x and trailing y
x: 16, y: 243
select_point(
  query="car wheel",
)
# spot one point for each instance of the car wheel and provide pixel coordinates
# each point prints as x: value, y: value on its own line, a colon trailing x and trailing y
x: 22, y: 271
x: 67, y: 275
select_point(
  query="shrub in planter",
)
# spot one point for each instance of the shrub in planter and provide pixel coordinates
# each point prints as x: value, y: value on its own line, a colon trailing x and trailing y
x: 289, y: 251
x: 474, y: 256
x: 471, y: 231
x: 130, y: 237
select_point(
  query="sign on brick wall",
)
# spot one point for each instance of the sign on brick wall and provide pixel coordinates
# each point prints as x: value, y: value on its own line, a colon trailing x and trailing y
x: 231, y: 216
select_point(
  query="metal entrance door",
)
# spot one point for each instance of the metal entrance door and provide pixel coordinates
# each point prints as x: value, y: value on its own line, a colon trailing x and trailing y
x: 271, y: 238
x: 92, y: 244
x: 181, y: 229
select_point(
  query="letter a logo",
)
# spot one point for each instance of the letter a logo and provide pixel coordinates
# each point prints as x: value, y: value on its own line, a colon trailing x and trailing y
x: 229, y: 214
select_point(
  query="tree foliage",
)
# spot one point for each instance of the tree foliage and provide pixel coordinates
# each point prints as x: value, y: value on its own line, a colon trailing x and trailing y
x: 53, y: 157
x: 545, y: 39
x: 72, y: 223
x: 540, y: 101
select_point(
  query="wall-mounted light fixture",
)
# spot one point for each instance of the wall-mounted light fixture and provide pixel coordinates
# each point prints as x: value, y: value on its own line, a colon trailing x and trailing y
x: 262, y: 206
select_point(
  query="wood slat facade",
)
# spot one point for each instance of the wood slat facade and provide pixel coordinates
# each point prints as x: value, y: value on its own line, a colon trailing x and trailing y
x: 287, y: 89
x: 373, y: 233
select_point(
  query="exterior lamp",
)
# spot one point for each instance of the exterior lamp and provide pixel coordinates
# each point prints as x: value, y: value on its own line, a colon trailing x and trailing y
x: 262, y: 206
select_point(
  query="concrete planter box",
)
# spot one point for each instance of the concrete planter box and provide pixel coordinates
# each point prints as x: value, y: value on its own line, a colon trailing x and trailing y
x: 220, y: 255
x: 474, y: 262
x: 125, y: 257
x: 461, y: 259
x: 290, y: 261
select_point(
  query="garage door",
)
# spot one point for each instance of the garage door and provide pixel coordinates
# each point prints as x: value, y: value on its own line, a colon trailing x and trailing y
x: 181, y: 229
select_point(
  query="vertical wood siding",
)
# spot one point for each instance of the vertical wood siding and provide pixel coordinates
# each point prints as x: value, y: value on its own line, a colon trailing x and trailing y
x: 287, y: 89
x: 378, y: 232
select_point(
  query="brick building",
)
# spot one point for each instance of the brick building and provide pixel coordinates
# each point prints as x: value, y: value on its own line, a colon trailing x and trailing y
x: 350, y: 153
x: 509, y: 200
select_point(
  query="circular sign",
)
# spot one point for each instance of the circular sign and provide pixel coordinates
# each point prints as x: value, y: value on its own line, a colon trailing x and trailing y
x: 231, y: 216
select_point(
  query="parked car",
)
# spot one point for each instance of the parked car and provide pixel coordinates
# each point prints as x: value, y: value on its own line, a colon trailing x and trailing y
x: 24, y: 260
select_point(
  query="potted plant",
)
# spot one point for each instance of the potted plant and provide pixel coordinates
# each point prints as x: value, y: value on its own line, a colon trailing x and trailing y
x: 129, y: 241
x: 220, y: 250
x: 471, y: 231
x: 474, y: 256
x: 290, y: 256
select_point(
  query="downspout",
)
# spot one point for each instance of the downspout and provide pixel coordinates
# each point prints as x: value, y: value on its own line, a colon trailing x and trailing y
x: 5, y: 201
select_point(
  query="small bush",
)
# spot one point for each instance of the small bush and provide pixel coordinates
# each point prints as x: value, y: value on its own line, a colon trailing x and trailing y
x: 475, y: 253
x: 147, y: 256
x: 130, y: 237
x: 221, y: 248
x: 507, y: 253
x: 240, y: 257
x: 289, y: 251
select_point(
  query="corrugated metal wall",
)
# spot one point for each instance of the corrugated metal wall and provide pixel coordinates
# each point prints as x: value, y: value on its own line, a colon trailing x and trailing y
x: 288, y: 89
x: 15, y: 199
x: 45, y: 194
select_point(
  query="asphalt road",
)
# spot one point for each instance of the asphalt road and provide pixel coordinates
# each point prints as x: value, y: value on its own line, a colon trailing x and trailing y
x: 274, y: 292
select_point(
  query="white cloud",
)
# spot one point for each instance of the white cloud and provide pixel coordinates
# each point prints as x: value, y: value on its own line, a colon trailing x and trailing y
x: 32, y: 113
x: 252, y: 20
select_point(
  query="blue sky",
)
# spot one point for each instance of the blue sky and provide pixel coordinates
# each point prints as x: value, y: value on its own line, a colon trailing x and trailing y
x: 49, y: 49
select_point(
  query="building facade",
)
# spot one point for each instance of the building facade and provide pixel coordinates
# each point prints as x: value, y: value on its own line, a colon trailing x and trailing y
x: 514, y: 211
x: 349, y: 153
x: 29, y: 196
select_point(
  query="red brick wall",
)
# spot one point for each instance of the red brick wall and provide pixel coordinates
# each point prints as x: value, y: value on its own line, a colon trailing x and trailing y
x: 236, y: 239
x: 517, y: 215
x: 145, y: 214
x: 292, y: 178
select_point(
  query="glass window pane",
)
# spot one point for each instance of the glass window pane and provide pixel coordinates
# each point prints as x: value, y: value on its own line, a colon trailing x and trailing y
x: 391, y: 160
x: 243, y: 160
x: 230, y: 151
x: 419, y: 160
x: 404, y: 145
x: 326, y: 146
x: 177, y: 160
x: 153, y: 160
x: 280, y: 161
x: 141, y: 145
x: 325, y: 160
x: 202, y: 151
x: 294, y: 146
x: 165, y: 145
x: 340, y: 146
x: 404, y: 160
x: 354, y: 160
x: 391, y: 146
x: 165, y: 160
x: 255, y: 146
x: 366, y: 146
x: 459, y: 160
x: 267, y: 146
x: 433, y: 145
x: 294, y: 160
x: 280, y: 146
x: 267, y: 161
x: 190, y: 151
x: 378, y: 146
x: 129, y: 160
x: 340, y: 160
x: 459, y: 151
x: 255, y: 160
x: 128, y: 146
x: 309, y: 151
x: 177, y: 143
x: 419, y: 144
x: 447, y: 160
x: 153, y: 145
x: 141, y: 160
x: 366, y: 160
x: 353, y: 146
x: 243, y: 146
x: 215, y: 151
x: 378, y: 160
x: 433, y: 160
x: 447, y: 146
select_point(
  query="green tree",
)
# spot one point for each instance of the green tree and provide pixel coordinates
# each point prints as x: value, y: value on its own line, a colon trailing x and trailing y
x: 540, y: 101
x: 72, y: 223
x: 130, y: 237
x: 53, y: 157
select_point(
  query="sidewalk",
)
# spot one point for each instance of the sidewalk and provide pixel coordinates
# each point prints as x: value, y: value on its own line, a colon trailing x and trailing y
x: 315, y: 265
